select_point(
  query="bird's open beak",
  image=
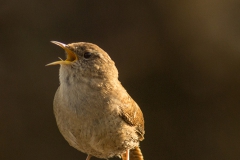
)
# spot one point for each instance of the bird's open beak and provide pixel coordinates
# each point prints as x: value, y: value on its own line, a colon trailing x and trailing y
x: 71, y: 56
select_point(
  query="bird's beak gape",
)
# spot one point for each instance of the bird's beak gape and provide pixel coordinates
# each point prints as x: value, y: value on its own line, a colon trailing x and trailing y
x: 71, y: 56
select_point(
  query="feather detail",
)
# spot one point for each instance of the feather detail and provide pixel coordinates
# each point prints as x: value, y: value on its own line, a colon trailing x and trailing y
x: 135, y: 154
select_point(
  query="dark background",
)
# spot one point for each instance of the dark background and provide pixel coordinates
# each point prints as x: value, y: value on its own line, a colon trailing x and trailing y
x: 179, y: 60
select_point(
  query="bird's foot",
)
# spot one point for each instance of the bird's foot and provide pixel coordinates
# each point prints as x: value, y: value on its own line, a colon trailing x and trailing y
x: 88, y: 157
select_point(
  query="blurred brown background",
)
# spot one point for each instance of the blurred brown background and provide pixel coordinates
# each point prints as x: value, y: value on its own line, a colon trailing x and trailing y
x: 179, y: 60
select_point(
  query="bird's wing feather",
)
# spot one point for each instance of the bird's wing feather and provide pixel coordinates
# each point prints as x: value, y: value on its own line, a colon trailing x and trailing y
x: 132, y: 115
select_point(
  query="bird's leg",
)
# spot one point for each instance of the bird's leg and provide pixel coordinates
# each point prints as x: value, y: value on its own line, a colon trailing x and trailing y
x: 127, y: 154
x: 88, y: 157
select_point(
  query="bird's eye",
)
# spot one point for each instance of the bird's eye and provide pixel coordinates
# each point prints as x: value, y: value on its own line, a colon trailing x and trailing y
x: 87, y: 55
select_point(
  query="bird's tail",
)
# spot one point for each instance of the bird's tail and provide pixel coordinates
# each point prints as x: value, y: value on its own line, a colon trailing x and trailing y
x: 135, y: 154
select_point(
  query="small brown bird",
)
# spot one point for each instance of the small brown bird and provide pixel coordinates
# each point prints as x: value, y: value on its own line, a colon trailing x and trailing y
x: 94, y: 113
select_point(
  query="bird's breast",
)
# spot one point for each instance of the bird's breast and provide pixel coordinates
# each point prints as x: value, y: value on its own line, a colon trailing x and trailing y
x: 91, y: 123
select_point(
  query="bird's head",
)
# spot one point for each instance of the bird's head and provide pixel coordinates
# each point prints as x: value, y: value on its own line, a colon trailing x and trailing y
x: 86, y: 60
